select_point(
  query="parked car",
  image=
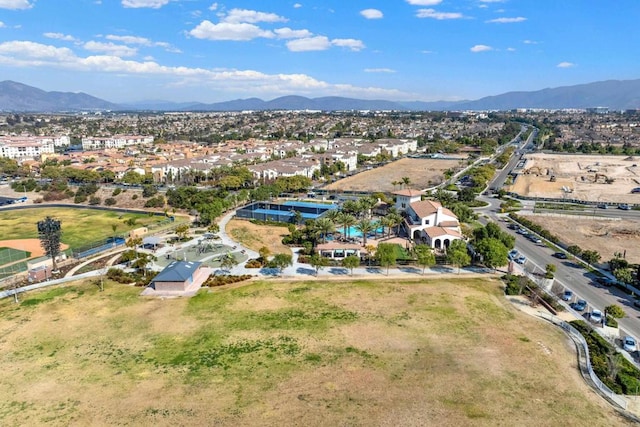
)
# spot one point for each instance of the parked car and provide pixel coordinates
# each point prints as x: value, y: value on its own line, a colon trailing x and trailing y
x: 605, y: 281
x: 560, y: 255
x: 595, y: 316
x: 603, y: 206
x: 579, y: 305
x: 513, y: 254
x: 521, y: 259
x: 534, y: 239
x: 629, y: 344
x: 636, y: 303
x: 567, y: 295
x: 624, y: 207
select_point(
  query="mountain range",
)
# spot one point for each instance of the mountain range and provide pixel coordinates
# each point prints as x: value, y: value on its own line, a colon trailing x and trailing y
x: 614, y: 94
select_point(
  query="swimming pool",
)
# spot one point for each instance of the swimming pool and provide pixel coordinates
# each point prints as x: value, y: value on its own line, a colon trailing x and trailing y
x: 354, y: 232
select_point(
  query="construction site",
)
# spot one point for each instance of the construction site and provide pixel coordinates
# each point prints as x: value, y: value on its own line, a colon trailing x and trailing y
x: 601, y: 179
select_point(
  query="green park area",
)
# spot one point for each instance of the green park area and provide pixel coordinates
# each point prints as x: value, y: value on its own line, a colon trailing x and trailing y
x: 79, y: 226
x: 441, y: 351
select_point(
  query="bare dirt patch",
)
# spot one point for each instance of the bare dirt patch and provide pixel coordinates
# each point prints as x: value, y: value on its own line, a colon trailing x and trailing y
x: 604, y: 236
x: 29, y: 245
x: 592, y: 178
x: 255, y: 236
x: 424, y: 173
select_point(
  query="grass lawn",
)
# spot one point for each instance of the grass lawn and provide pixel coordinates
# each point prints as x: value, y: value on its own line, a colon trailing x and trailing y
x: 79, y: 226
x: 385, y: 352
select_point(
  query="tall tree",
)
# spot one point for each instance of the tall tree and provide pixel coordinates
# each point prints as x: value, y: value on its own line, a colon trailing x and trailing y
x: 425, y: 256
x: 318, y: 262
x: 351, y: 262
x: 50, y: 233
x: 365, y: 226
x: 346, y: 221
x: 386, y: 255
x: 281, y: 261
x: 325, y: 226
x: 494, y: 252
x: 457, y: 254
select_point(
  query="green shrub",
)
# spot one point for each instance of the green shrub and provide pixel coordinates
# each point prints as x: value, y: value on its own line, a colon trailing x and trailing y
x: 80, y: 198
x: 611, y: 322
x: 253, y: 263
x: 120, y: 276
x: 94, y: 200
x: 116, y: 191
x: 134, y: 197
x: 110, y: 201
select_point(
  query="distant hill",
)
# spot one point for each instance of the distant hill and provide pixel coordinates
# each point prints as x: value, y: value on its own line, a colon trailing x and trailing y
x: 614, y: 94
x: 16, y: 96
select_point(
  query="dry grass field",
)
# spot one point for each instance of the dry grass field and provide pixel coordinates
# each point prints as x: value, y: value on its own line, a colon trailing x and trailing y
x: 255, y: 236
x: 276, y: 353
x: 424, y: 173
x: 578, y: 173
x: 604, y: 236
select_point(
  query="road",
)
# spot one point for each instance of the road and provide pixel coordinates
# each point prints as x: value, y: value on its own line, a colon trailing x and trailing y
x: 568, y: 274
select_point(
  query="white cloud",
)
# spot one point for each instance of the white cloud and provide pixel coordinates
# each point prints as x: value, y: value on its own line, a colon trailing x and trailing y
x: 250, y: 82
x: 229, y: 31
x: 530, y: 42
x: 309, y: 44
x: 251, y: 16
x: 565, y: 64
x: 432, y: 13
x: 214, y: 6
x: 511, y: 49
x: 506, y: 20
x: 379, y: 70
x: 424, y: 2
x: 371, y: 13
x: 110, y: 48
x: 481, y: 48
x: 142, y: 41
x: 2, y: 24
x: 15, y: 4
x: 352, y: 44
x: 59, y: 36
x: 136, y: 4
x: 129, y: 39
x: 297, y: 6
x: 426, y: 51
x: 288, y: 33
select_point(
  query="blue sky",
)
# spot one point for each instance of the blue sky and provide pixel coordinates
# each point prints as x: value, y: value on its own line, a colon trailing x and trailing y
x: 193, y: 50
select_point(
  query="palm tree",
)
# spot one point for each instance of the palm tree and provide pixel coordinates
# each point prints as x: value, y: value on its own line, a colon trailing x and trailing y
x: 395, y: 220
x: 324, y: 226
x: 346, y: 221
x: 386, y: 222
x: 366, y: 204
x: 406, y: 181
x: 365, y: 226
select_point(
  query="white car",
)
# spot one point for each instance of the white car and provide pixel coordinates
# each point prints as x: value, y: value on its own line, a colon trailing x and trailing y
x: 629, y: 344
x: 595, y: 316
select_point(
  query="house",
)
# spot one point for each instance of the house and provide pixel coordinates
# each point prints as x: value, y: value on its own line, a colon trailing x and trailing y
x: 180, y: 276
x: 427, y: 221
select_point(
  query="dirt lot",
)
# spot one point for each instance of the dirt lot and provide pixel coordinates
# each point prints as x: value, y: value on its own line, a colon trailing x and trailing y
x: 359, y: 353
x: 604, y: 236
x: 254, y: 236
x: 29, y: 245
x: 577, y: 173
x: 424, y: 173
